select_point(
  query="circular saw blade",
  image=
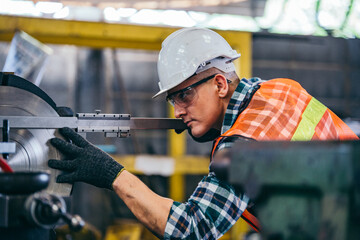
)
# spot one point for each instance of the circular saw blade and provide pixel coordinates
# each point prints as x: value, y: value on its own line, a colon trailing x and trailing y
x: 33, y: 149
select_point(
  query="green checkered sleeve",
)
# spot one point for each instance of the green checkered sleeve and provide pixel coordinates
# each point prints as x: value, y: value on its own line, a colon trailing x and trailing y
x: 212, y: 210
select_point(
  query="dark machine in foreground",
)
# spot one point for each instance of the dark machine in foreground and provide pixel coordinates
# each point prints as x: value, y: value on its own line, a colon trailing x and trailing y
x: 300, y: 190
x: 27, y: 212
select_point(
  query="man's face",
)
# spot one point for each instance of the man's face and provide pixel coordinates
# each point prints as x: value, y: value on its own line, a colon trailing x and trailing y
x: 201, y: 109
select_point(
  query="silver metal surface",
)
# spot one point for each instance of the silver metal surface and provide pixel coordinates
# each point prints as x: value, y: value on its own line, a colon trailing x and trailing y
x: 32, y: 147
x: 99, y: 115
x: 92, y: 124
x: 38, y: 122
x: 7, y: 147
x: 113, y: 125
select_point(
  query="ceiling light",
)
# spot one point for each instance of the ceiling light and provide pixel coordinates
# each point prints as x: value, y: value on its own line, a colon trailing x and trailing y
x: 48, y: 7
x: 126, y: 12
x: 110, y: 14
x: 177, y: 18
x: 147, y: 16
x: 63, y: 13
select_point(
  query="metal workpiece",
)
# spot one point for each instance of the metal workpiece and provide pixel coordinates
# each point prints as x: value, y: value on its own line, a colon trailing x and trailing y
x: 32, y: 149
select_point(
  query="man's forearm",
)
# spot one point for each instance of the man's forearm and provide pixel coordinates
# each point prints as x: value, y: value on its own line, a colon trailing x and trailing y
x: 149, y: 208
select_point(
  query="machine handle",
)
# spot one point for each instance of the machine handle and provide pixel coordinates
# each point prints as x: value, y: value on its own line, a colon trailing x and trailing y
x: 75, y: 222
x: 46, y: 210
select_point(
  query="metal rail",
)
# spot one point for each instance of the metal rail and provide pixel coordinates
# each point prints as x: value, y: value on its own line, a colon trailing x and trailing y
x: 113, y: 125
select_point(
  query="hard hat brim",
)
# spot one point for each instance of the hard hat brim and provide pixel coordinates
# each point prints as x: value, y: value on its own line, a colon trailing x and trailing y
x: 160, y: 93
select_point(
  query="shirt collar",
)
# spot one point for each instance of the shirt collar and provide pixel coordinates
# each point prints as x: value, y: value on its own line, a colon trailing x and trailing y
x: 237, y: 100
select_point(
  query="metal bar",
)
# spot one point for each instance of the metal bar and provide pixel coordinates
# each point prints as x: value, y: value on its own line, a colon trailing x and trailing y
x: 40, y: 122
x: 156, y: 123
x: 29, y: 122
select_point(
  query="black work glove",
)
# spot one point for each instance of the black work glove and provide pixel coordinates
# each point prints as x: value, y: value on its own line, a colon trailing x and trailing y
x: 85, y: 162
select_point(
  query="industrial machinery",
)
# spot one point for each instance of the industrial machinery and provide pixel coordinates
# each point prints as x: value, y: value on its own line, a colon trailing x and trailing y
x: 300, y: 190
x: 28, y: 213
x: 30, y: 198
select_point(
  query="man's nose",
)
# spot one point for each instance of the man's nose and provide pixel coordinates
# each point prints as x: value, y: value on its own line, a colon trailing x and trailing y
x: 179, y: 111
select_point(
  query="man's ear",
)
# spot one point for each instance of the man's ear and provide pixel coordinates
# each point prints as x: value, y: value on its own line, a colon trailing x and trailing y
x: 222, y: 85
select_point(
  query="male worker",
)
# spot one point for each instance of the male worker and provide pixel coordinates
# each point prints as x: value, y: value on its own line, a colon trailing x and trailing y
x: 196, y: 72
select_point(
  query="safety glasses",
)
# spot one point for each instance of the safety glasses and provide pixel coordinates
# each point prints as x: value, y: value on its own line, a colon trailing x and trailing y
x: 186, y: 96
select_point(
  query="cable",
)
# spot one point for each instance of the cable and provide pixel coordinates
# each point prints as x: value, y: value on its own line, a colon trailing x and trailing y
x: 5, y: 166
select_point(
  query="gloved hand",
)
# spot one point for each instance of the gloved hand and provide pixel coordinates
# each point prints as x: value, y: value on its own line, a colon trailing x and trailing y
x: 85, y: 162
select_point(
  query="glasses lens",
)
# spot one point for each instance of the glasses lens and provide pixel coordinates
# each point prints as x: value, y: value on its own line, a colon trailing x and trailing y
x: 183, y: 98
x: 187, y: 95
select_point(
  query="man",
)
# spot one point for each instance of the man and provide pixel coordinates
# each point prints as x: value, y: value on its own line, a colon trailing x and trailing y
x: 197, y: 74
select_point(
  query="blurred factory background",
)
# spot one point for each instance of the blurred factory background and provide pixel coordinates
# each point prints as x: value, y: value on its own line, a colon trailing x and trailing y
x: 103, y: 54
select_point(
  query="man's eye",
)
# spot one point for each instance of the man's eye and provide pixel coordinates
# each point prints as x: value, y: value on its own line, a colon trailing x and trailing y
x: 182, y: 95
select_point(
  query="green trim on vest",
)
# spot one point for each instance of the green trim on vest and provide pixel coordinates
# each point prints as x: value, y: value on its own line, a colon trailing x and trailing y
x: 310, y: 119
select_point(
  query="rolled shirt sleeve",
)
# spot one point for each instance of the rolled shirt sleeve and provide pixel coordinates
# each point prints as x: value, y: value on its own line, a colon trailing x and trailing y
x: 211, y: 210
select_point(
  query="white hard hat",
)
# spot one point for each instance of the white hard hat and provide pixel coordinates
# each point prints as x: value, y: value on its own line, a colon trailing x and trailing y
x: 192, y: 50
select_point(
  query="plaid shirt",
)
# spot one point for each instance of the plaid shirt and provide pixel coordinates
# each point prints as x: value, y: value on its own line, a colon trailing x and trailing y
x: 214, y: 207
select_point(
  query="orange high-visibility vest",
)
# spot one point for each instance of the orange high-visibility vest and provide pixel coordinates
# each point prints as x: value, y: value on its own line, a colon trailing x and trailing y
x: 282, y: 110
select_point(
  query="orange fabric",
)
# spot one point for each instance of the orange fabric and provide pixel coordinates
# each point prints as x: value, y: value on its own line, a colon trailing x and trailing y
x: 252, y: 220
x: 326, y: 128
x: 274, y: 113
x: 345, y: 133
